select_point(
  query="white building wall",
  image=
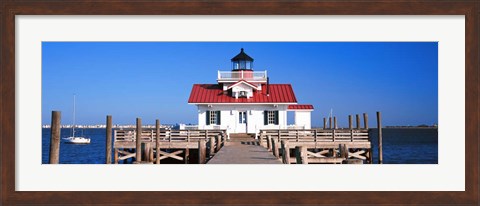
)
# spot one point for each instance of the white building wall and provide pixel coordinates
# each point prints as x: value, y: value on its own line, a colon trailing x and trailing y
x: 230, y: 117
x: 303, y: 118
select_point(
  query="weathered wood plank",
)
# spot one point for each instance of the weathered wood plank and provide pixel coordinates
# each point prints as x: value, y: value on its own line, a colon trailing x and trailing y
x: 174, y: 155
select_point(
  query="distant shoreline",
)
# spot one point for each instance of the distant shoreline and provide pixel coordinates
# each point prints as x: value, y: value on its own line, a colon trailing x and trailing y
x: 170, y: 126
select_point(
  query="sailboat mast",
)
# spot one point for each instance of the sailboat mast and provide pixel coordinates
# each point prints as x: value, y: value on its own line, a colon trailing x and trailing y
x: 73, y: 131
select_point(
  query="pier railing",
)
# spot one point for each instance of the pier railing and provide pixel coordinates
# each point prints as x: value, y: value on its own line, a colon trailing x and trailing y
x: 170, y: 144
x: 313, y: 135
x: 129, y: 135
x: 318, y: 145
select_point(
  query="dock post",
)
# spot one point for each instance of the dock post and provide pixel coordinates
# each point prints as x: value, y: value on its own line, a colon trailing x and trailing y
x: 365, y: 120
x: 330, y: 122
x: 219, y: 142
x: 202, y: 150
x: 301, y: 154
x: 275, y: 148
x: 343, y: 151
x: 335, y: 122
x: 108, y: 151
x: 358, y: 121
x: 146, y: 151
x: 212, y: 146
x: 379, y: 127
x: 260, y: 136
x: 269, y: 143
x: 55, y: 138
x: 324, y: 123
x: 115, y: 156
x: 150, y: 152
x: 285, y: 152
x: 350, y: 122
x: 187, y: 155
x: 138, y: 139
x: 157, y: 141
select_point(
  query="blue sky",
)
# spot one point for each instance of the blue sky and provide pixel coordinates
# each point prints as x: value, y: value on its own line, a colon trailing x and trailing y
x: 153, y: 79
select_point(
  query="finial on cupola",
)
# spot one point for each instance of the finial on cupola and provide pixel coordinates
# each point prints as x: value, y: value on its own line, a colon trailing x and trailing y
x: 242, y: 61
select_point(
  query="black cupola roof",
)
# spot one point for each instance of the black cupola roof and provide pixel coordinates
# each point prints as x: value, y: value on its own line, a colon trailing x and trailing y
x: 242, y: 57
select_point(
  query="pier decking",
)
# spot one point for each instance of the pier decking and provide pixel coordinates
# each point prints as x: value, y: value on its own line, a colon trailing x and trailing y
x: 244, y: 152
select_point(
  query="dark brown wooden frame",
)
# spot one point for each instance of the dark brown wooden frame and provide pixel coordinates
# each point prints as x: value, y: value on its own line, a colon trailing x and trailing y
x: 10, y: 8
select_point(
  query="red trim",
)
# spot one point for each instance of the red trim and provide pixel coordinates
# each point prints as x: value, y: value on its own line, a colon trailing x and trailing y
x: 213, y: 93
x: 300, y: 107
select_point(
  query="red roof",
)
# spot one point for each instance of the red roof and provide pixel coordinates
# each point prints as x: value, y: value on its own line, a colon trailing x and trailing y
x: 300, y: 107
x: 213, y: 93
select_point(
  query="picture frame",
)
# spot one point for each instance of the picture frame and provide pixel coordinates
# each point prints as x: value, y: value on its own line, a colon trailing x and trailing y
x: 470, y: 9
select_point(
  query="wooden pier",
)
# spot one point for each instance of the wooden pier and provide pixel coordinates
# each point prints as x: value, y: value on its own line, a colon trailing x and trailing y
x: 244, y: 152
x: 168, y: 143
x: 328, y: 145
x: 301, y: 146
x: 320, y: 146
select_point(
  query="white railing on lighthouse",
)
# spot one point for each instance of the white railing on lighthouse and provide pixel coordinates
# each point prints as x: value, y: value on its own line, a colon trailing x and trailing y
x: 245, y: 75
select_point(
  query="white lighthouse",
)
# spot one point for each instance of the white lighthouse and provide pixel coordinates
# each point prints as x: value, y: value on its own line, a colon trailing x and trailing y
x: 243, y: 101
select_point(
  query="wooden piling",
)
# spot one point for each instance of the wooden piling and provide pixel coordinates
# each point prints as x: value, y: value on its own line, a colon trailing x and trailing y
x: 157, y: 141
x: 108, y: 142
x: 138, y: 139
x: 219, y: 143
x: 146, y: 151
x: 187, y: 155
x: 202, y: 151
x: 324, y: 123
x: 343, y: 151
x: 365, y: 120
x: 150, y: 153
x: 55, y: 138
x: 275, y: 148
x: 350, y: 122
x: 285, y: 152
x: 301, y: 154
x: 330, y: 122
x: 269, y: 143
x: 212, y: 146
x: 115, y: 157
x: 335, y: 122
x: 379, y: 127
x: 358, y: 121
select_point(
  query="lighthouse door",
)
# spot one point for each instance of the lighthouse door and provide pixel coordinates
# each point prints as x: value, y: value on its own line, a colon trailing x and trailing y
x: 242, y: 122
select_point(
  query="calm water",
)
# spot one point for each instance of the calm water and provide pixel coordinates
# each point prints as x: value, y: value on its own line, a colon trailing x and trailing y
x: 400, y: 146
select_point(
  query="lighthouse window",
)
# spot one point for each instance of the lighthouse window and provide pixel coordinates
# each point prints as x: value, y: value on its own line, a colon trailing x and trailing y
x: 213, y: 117
x: 271, y: 117
x: 243, y: 94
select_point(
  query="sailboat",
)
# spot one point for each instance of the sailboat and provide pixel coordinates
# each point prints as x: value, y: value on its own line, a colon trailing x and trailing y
x: 73, y: 139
